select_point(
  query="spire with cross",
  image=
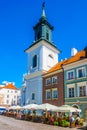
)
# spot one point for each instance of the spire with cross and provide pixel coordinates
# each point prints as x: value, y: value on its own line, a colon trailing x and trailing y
x: 43, y: 9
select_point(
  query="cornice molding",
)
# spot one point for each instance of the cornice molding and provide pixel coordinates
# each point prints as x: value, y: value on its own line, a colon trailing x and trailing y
x: 52, y: 73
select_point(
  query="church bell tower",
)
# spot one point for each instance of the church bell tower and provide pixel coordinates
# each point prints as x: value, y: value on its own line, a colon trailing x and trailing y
x: 42, y: 55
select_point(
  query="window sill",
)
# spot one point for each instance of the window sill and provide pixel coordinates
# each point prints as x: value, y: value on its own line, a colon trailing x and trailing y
x: 70, y: 80
x: 48, y: 99
x: 47, y: 84
x: 81, y: 77
x: 54, y: 83
x: 54, y: 98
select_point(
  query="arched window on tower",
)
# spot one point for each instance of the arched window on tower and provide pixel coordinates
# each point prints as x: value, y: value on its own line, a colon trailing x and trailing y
x: 38, y: 36
x: 47, y: 35
x: 34, y: 61
x: 33, y: 96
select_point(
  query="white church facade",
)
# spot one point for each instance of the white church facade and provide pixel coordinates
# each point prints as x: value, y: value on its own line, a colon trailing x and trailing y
x: 42, y: 55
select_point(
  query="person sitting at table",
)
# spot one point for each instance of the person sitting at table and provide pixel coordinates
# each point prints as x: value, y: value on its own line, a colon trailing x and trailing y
x: 77, y: 120
x: 72, y: 119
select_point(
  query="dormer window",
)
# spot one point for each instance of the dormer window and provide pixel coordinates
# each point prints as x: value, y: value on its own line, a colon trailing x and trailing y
x: 34, y: 61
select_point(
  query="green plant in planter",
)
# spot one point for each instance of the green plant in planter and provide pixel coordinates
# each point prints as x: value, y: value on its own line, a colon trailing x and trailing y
x: 65, y: 123
x: 48, y: 122
x: 56, y: 123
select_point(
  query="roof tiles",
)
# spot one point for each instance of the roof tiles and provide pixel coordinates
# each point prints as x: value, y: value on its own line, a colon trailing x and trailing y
x: 79, y: 56
x: 10, y: 86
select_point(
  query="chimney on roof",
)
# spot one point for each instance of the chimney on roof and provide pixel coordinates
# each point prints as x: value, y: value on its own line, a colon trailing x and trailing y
x: 73, y: 51
x: 65, y: 58
x: 85, y: 49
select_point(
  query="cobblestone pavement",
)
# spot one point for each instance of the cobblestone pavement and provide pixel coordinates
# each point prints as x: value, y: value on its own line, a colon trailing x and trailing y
x: 8, y: 123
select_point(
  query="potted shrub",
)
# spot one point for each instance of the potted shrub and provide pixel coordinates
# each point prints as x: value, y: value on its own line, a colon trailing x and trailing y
x: 56, y: 123
x: 65, y: 123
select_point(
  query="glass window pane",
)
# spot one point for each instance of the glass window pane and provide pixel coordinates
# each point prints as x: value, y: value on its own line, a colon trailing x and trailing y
x: 81, y: 72
x: 48, y: 94
x: 54, y: 93
x: 70, y: 75
x: 54, y: 79
x: 82, y: 91
x: 48, y: 81
x: 71, y: 92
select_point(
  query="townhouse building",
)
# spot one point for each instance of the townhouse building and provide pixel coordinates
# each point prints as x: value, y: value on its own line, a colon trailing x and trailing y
x: 75, y: 81
x: 9, y: 95
x: 53, y: 85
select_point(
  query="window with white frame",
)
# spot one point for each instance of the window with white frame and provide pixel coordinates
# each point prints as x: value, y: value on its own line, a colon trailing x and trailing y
x: 54, y: 79
x: 48, y: 94
x: 48, y: 81
x: 81, y: 72
x: 54, y: 93
x: 70, y: 75
x: 82, y: 91
x: 71, y: 92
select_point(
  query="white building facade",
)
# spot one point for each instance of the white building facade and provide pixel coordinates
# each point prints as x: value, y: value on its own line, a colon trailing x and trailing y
x: 9, y: 95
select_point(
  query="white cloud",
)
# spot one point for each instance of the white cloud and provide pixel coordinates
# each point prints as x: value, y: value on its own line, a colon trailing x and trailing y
x: 7, y: 82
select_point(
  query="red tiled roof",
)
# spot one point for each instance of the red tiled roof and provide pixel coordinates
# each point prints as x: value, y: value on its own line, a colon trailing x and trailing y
x: 77, y: 57
x: 11, y: 86
x: 58, y: 66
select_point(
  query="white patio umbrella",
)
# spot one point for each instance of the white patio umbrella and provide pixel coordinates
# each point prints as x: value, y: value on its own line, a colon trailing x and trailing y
x: 77, y: 110
x: 18, y: 107
x: 31, y: 106
x: 47, y: 106
x: 12, y: 107
x: 15, y: 107
x: 67, y: 108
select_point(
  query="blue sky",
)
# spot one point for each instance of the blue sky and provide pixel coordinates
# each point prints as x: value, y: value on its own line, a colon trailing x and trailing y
x: 17, y: 18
